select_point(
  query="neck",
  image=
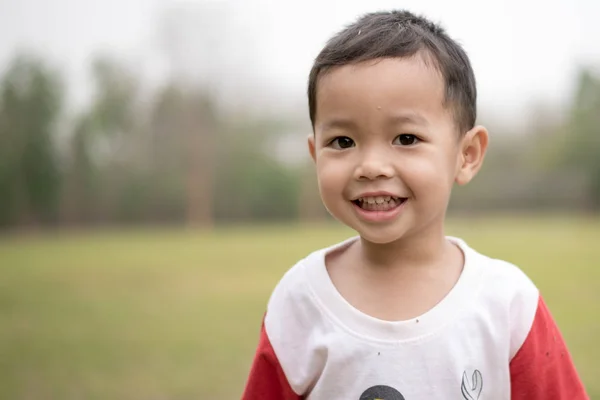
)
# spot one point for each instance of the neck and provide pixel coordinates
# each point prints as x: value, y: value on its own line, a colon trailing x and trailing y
x: 424, y: 248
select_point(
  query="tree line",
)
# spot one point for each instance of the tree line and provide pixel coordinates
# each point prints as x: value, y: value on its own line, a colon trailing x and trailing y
x: 173, y: 156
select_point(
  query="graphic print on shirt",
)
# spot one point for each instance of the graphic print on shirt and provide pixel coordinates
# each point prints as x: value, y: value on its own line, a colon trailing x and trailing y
x: 472, y: 390
x: 381, y: 392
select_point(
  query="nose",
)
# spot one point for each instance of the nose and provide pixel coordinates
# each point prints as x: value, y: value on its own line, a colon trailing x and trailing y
x: 374, y: 166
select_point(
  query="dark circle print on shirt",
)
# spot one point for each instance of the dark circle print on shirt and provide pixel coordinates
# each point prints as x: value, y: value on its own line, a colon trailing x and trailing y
x: 381, y: 392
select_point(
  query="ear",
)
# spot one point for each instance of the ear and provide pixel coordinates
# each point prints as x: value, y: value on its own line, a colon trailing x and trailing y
x: 311, y: 146
x: 473, y: 147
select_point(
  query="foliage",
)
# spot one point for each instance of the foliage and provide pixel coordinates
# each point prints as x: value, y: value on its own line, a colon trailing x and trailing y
x: 31, y: 97
x: 176, y: 155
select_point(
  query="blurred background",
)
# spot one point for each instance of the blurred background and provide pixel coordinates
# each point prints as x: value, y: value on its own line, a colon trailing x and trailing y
x: 155, y: 182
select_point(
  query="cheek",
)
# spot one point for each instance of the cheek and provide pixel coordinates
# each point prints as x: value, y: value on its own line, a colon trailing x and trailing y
x: 332, y: 177
x: 432, y: 172
x: 331, y: 172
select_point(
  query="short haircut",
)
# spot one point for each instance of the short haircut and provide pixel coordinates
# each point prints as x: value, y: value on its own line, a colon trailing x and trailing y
x: 400, y: 34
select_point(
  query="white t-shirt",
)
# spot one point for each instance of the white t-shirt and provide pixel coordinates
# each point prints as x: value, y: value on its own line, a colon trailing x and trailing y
x: 486, y: 339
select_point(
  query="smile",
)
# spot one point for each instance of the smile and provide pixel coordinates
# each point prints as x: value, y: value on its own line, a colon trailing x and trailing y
x: 378, y: 208
x: 379, y: 203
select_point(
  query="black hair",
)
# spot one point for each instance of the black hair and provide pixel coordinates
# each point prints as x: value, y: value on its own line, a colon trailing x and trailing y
x: 402, y: 34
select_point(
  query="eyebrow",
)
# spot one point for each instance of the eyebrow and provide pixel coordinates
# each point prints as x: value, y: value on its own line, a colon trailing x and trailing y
x: 339, y: 123
x: 394, y: 119
x: 408, y: 117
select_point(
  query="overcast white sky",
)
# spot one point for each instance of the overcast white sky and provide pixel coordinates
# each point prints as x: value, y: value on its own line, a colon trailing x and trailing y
x: 522, y: 50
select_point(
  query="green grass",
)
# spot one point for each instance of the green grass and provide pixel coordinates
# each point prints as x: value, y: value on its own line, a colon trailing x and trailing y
x: 175, y: 314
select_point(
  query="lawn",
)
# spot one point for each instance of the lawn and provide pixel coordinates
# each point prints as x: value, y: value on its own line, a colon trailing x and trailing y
x: 175, y: 314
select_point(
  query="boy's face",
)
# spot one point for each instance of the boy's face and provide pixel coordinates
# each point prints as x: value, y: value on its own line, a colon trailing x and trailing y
x: 386, y: 149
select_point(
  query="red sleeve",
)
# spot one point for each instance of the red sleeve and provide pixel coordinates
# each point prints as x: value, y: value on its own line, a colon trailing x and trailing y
x: 543, y: 368
x: 267, y: 380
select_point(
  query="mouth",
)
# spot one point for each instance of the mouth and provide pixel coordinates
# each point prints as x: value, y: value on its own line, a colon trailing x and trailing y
x: 379, y: 203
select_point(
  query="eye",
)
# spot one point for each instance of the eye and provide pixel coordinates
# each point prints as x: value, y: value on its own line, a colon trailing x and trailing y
x: 342, y: 142
x: 406, y: 140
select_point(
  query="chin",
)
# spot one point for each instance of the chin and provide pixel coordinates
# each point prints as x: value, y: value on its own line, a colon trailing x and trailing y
x: 379, y: 239
x: 379, y: 235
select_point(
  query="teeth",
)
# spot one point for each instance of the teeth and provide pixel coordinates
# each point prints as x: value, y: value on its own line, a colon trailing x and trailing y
x: 377, y: 199
x: 379, y: 203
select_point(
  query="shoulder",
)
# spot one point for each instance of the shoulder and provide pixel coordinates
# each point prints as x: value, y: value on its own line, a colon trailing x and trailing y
x: 296, y: 323
x: 499, y: 278
x: 507, y: 294
x: 295, y: 290
x: 293, y: 304
x: 508, y: 281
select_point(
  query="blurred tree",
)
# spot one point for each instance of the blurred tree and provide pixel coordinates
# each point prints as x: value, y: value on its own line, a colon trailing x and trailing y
x: 202, y: 121
x: 31, y: 97
x: 166, y: 148
x: 251, y: 184
x: 183, y: 127
x: 79, y: 189
x: 106, y: 150
x: 581, y: 140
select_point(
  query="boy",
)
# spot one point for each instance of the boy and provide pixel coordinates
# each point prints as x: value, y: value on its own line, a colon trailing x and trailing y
x: 402, y: 311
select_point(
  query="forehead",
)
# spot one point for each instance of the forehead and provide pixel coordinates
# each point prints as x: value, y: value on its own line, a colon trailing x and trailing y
x: 383, y: 88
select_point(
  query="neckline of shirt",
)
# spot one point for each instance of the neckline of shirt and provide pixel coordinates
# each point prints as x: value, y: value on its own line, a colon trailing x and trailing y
x: 366, y: 326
